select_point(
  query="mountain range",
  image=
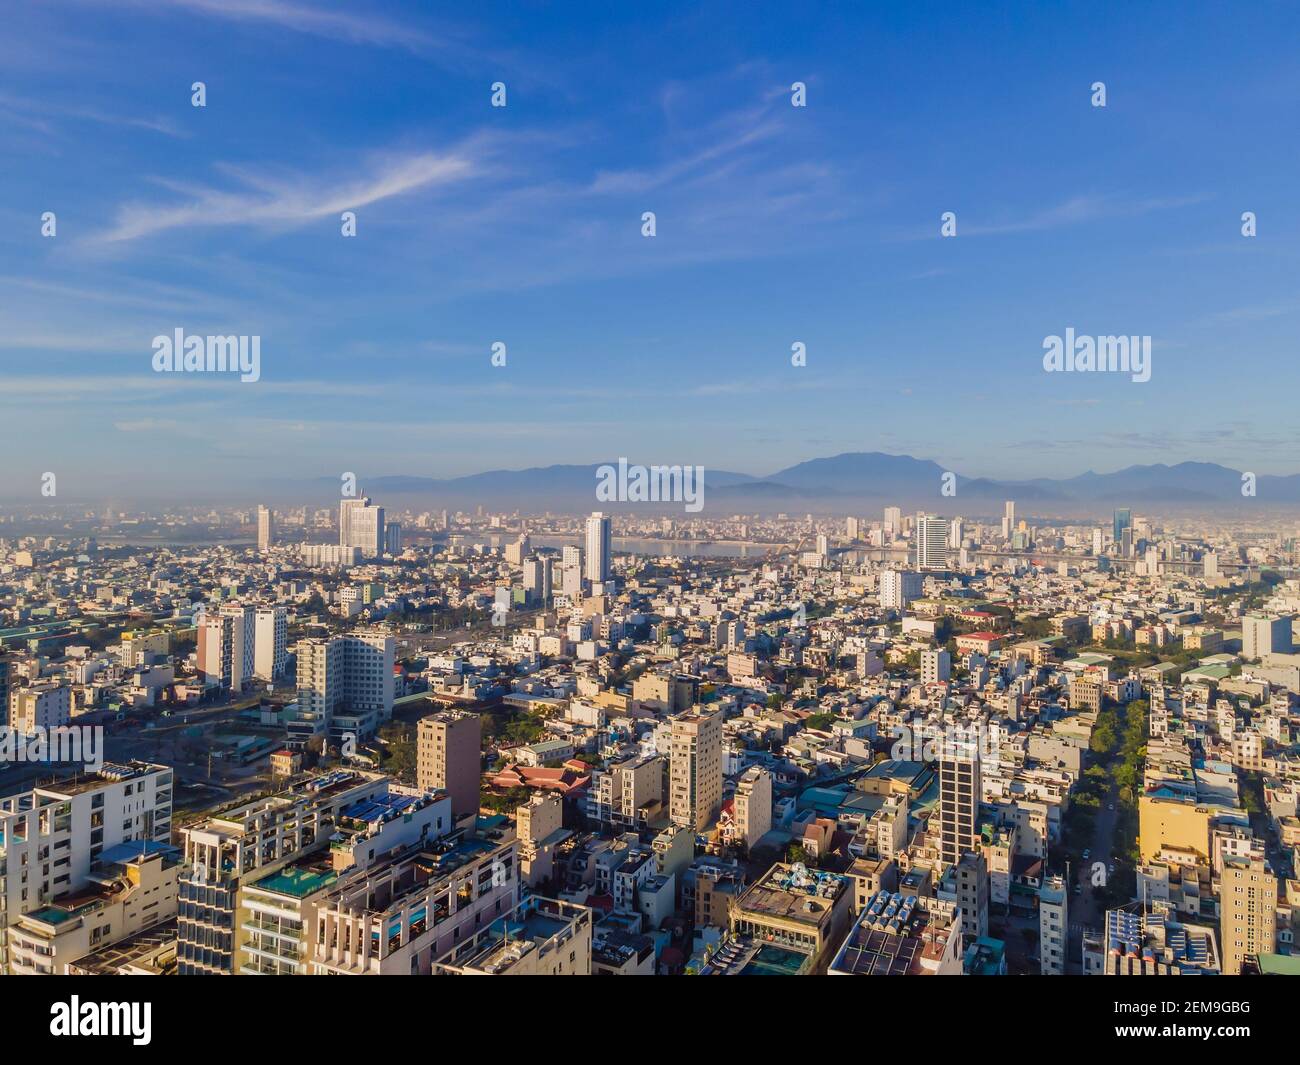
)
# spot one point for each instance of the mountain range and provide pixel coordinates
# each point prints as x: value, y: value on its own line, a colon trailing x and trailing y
x: 840, y: 482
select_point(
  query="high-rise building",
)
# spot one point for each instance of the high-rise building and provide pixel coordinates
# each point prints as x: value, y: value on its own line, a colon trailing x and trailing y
x: 931, y: 542
x: 517, y: 551
x: 50, y: 837
x: 1248, y: 905
x: 959, y: 802
x: 1053, y: 925
x: 362, y: 525
x: 345, y: 685
x: 393, y: 538
x: 1008, y: 519
x: 1262, y: 636
x: 46, y: 704
x: 538, y: 573
x: 852, y: 528
x: 893, y: 522
x: 225, y: 646
x: 1123, y: 519
x: 224, y: 852
x: 265, y: 529
x: 752, y: 805
x: 449, y: 758
x: 695, y: 770
x: 270, y: 642
x: 599, y: 546
x: 898, y: 588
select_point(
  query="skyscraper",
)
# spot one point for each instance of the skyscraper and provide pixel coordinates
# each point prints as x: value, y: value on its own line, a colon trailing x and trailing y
x: 1008, y: 519
x: 362, y: 525
x: 931, y: 542
x: 265, y: 529
x: 959, y: 802
x: 893, y: 521
x: 695, y: 770
x: 598, y: 547
x: 1123, y: 520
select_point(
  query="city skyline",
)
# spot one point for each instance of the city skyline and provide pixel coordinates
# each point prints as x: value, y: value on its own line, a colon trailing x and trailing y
x: 522, y: 225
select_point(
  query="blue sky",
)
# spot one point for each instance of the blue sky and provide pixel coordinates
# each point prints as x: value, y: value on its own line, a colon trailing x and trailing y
x: 522, y: 225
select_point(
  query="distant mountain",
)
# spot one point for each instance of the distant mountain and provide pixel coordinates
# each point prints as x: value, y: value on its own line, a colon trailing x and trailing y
x: 843, y: 481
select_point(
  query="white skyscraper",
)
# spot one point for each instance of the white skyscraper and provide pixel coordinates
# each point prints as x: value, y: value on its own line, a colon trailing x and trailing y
x: 931, y: 542
x: 271, y: 629
x: 1008, y: 519
x: 265, y: 529
x: 361, y: 525
x: 893, y: 521
x: 598, y: 547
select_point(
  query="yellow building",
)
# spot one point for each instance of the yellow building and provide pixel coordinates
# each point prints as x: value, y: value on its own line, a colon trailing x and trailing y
x: 1174, y: 824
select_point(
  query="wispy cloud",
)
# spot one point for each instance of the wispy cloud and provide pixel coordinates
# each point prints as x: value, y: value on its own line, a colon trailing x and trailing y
x: 278, y: 201
x: 354, y: 26
x: 41, y: 114
x: 1072, y: 212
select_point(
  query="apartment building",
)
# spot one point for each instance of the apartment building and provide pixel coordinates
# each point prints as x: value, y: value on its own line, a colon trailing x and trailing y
x: 130, y: 890
x: 449, y: 758
x: 51, y: 837
x: 545, y: 937
x: 345, y: 685
x: 269, y: 833
x: 959, y: 804
x: 398, y: 917
x: 629, y: 793
x: 1248, y: 908
x: 1156, y: 943
x: 270, y: 642
x: 695, y: 769
x: 752, y: 805
x: 1053, y: 925
x: 225, y: 647
x: 539, y: 828
x: 44, y: 705
x: 902, y: 935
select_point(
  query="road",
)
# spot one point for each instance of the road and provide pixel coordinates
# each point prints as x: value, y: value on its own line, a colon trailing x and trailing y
x: 1086, y: 910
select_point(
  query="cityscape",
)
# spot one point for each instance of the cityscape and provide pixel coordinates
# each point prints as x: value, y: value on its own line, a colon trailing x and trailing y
x: 361, y: 741
x: 680, y: 490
